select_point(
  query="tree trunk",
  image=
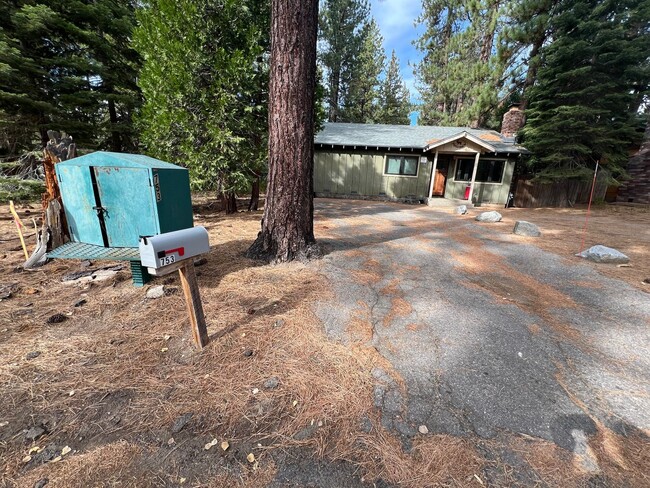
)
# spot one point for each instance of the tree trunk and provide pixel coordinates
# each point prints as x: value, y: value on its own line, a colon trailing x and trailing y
x: 334, y: 86
x: 531, y: 74
x: 54, y: 231
x: 229, y: 202
x: 288, y: 222
x: 255, y: 195
x: 116, y: 143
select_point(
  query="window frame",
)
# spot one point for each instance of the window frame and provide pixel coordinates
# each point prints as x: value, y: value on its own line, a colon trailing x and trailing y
x: 503, y: 172
x: 417, y: 165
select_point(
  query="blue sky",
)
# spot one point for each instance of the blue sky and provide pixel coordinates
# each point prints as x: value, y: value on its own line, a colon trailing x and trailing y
x: 396, y: 22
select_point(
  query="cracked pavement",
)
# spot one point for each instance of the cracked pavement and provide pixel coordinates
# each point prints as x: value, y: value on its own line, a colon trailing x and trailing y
x: 486, y: 333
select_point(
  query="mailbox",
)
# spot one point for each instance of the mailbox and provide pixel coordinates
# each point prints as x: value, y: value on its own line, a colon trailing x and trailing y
x: 166, y: 249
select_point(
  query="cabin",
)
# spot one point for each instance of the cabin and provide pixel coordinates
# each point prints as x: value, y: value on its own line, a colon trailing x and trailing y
x: 415, y: 163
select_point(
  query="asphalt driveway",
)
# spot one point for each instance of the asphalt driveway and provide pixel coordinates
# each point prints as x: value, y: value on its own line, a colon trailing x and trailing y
x: 486, y: 334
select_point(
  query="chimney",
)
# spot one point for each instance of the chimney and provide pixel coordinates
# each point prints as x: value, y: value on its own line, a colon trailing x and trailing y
x: 513, y: 120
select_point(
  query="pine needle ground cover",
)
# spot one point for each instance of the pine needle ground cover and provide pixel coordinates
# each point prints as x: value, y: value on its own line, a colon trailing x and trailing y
x: 101, y: 386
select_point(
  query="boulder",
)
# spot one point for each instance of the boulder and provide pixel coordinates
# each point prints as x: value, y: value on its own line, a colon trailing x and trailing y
x: 604, y: 254
x: 461, y: 210
x: 491, y: 216
x: 528, y: 229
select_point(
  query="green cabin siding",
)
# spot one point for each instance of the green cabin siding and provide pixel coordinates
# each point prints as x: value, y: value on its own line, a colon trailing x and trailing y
x: 351, y: 173
x: 341, y: 172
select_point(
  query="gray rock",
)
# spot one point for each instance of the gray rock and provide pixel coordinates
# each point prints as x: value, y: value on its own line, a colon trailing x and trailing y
x: 461, y: 210
x: 32, y: 355
x: 278, y: 323
x: 35, y: 433
x: 603, y: 254
x: 248, y: 353
x: 180, y: 423
x: 271, y: 383
x: 41, y: 483
x: 81, y: 302
x: 528, y: 229
x: 156, y: 292
x: 491, y: 216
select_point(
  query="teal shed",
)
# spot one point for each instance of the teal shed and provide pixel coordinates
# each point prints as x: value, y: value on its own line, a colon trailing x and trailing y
x: 111, y: 199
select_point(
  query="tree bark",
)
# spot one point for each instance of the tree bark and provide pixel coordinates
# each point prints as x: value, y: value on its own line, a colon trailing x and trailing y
x: 255, y: 195
x: 116, y: 143
x: 229, y: 202
x: 287, y: 225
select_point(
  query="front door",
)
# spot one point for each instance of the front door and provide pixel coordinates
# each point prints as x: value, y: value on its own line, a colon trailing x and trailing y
x: 128, y: 205
x: 440, y: 180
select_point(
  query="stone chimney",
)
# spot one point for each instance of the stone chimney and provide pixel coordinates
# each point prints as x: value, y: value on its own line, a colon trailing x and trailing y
x: 513, y: 120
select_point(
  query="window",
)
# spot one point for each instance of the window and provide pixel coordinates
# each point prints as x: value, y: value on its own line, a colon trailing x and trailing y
x: 488, y: 171
x: 401, y: 165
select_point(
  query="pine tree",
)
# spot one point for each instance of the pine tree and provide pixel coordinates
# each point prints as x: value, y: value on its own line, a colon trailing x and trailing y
x: 526, y: 30
x: 460, y: 74
x: 69, y: 66
x: 205, y: 83
x: 341, y: 40
x: 583, y: 107
x: 361, y: 102
x: 394, y: 103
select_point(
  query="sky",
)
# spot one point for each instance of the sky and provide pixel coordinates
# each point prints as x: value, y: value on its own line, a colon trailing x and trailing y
x: 396, y: 22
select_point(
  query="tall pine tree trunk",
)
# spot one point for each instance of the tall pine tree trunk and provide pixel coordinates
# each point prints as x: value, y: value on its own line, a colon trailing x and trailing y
x: 335, y: 82
x: 255, y: 195
x: 287, y: 225
x: 116, y: 143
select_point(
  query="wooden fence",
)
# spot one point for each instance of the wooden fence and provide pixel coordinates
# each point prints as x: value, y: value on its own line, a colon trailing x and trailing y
x: 566, y: 193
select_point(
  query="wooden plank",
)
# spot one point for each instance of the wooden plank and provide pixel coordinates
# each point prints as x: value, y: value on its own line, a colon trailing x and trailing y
x: 194, y: 306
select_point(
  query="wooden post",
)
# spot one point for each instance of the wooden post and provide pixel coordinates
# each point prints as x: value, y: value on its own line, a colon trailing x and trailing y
x: 471, y: 185
x: 19, y: 226
x: 194, y: 306
x: 433, y: 173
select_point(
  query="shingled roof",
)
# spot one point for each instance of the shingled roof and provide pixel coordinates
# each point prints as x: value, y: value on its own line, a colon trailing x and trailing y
x: 405, y: 136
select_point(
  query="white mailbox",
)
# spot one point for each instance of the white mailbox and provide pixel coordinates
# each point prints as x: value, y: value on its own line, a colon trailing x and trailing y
x: 166, y: 249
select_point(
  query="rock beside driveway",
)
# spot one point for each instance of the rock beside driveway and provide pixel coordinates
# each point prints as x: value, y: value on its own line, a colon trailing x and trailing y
x: 461, y: 210
x: 604, y: 254
x: 528, y: 229
x: 491, y: 216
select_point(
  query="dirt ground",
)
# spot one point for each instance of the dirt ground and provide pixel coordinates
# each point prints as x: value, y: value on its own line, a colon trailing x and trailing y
x: 625, y: 228
x: 101, y: 386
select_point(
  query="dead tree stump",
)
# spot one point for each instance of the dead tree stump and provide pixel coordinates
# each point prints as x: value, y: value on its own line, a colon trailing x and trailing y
x: 53, y: 232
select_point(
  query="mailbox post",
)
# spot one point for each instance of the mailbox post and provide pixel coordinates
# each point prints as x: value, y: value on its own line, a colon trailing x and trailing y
x: 175, y: 251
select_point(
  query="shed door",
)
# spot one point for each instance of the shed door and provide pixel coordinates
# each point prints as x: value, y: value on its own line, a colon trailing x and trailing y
x: 79, y: 204
x: 128, y: 205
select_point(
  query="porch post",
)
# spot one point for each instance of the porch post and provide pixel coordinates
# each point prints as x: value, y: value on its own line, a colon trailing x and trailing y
x: 471, y: 185
x: 433, y: 173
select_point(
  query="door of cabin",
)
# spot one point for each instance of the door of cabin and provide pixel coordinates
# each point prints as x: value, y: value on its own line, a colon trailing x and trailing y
x: 440, y: 180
